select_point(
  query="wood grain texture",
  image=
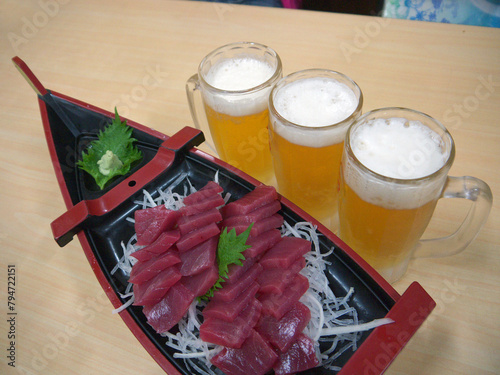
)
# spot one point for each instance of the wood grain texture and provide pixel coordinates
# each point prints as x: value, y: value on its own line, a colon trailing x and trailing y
x: 138, y: 56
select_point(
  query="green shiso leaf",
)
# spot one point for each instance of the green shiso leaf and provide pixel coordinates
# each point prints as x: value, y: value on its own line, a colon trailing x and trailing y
x: 117, y: 138
x: 229, y: 251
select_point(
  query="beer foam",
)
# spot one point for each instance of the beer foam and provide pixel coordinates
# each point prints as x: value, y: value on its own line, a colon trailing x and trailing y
x: 234, y: 75
x: 315, y: 103
x: 398, y: 149
x: 239, y: 74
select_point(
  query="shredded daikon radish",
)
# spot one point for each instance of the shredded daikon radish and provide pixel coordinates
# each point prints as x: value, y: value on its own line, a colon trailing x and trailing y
x: 197, y: 354
x: 126, y: 304
x: 356, y: 328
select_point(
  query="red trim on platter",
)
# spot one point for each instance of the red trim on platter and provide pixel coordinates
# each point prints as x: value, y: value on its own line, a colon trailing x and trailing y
x: 66, y: 225
x: 384, y: 343
x: 29, y: 76
x: 137, y: 331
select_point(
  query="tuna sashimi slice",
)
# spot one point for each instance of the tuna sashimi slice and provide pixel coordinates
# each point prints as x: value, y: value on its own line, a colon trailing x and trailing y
x: 264, y: 225
x: 187, y: 224
x: 255, y: 357
x: 228, y: 334
x: 252, y: 312
x: 285, y: 252
x: 142, y: 218
x: 258, y: 197
x: 278, y: 305
x: 199, y: 258
x: 261, y: 243
x: 231, y: 334
x: 210, y: 189
x: 164, y: 241
x: 283, y: 333
x: 235, y: 271
x: 200, y: 283
x: 144, y: 271
x: 260, y: 213
x: 167, y: 313
x: 143, y: 255
x: 230, y: 291
x: 274, y: 280
x: 159, y: 246
x: 228, y: 311
x: 164, y: 220
x: 213, y: 201
x: 300, y: 357
x: 152, y: 291
x: 197, y: 236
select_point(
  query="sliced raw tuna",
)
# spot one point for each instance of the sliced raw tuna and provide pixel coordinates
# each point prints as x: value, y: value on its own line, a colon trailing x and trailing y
x: 142, y: 255
x: 205, y: 205
x: 200, y: 283
x: 143, y: 218
x: 199, y: 258
x: 300, y: 357
x: 228, y: 334
x: 283, y: 333
x: 159, y: 246
x: 275, y: 280
x: 144, y: 271
x: 235, y: 271
x: 228, y: 311
x: 164, y: 241
x: 167, y: 313
x: 252, y: 312
x: 197, y: 236
x: 264, y: 225
x: 258, y: 197
x: 163, y: 220
x: 210, y: 189
x: 152, y: 291
x: 285, y: 252
x: 255, y: 357
x: 261, y: 243
x: 231, y: 334
x: 231, y: 290
x: 187, y: 224
x: 278, y: 305
x: 260, y: 213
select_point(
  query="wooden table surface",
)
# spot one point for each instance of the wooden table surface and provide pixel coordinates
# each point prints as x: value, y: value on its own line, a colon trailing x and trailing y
x: 137, y: 55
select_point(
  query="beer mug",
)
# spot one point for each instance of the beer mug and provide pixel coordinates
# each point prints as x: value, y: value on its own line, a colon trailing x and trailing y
x: 235, y: 81
x: 394, y: 170
x: 310, y: 112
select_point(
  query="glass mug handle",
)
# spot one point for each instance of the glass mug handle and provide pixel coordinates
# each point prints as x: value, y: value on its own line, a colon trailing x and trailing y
x: 479, y: 193
x: 195, y: 102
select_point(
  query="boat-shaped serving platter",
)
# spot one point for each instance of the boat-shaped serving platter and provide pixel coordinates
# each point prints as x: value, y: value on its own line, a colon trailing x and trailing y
x: 98, y: 219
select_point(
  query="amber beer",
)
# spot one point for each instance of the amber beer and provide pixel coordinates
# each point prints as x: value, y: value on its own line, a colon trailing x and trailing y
x: 390, y: 182
x: 310, y: 112
x: 235, y: 82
